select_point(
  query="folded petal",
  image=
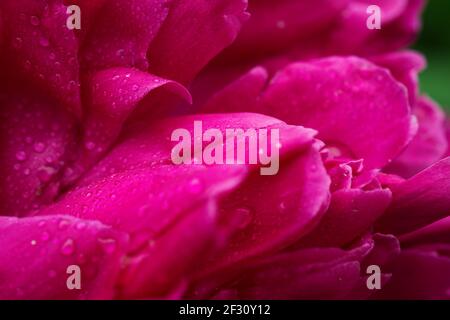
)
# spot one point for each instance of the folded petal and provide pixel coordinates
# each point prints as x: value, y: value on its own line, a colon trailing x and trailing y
x: 37, y: 252
x: 351, y: 214
x: 400, y: 24
x: 114, y: 94
x: 429, y: 144
x: 325, y: 273
x: 405, y: 67
x: 419, y: 201
x: 137, y: 189
x: 357, y: 107
x: 193, y: 33
x: 418, y: 274
x: 37, y: 139
x: 43, y: 49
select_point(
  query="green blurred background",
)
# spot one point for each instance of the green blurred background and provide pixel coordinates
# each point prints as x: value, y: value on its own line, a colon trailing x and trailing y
x: 434, y: 42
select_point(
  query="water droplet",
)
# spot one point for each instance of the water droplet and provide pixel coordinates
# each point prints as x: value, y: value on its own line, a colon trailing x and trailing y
x: 108, y: 245
x: 244, y: 215
x: 45, y: 236
x: 63, y: 224
x: 21, y: 156
x: 39, y: 147
x: 68, y: 247
x: 195, y: 186
x: 44, y: 42
x: 34, y: 21
x: 90, y: 145
x: 135, y: 87
x: 17, y: 43
x: 27, y: 172
x: 33, y: 242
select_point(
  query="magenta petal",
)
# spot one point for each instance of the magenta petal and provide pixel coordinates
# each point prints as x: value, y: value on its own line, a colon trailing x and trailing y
x: 428, y: 146
x: 326, y: 273
x: 418, y: 274
x: 122, y: 34
x: 36, y: 252
x: 155, y: 272
x: 37, y: 139
x: 137, y: 189
x: 193, y: 33
x: 405, y: 67
x: 277, y: 25
x: 400, y: 25
x: 351, y: 102
x: 351, y: 213
x: 115, y: 94
x: 357, y: 107
x: 44, y: 49
x: 419, y: 201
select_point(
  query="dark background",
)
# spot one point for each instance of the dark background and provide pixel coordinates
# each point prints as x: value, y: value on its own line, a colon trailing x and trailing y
x: 434, y: 42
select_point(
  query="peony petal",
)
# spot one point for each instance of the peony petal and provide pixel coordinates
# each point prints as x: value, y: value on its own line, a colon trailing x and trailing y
x: 277, y: 25
x: 43, y: 49
x: 356, y: 106
x: 37, y: 139
x: 122, y: 33
x: 419, y: 200
x: 193, y: 33
x: 351, y: 213
x: 115, y: 94
x: 418, y: 274
x: 36, y: 253
x: 428, y: 146
x: 134, y: 190
x: 326, y: 273
x: 400, y: 24
x: 192, y: 238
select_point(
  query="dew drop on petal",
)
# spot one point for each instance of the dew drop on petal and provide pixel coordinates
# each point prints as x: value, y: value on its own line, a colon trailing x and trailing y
x: 68, y: 248
x: 21, y: 156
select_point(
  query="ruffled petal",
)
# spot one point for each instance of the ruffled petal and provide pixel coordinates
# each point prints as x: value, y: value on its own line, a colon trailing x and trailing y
x: 325, y: 273
x: 351, y: 214
x: 356, y: 106
x: 37, y: 252
x: 419, y: 200
x: 114, y: 94
x: 428, y: 146
x: 137, y: 189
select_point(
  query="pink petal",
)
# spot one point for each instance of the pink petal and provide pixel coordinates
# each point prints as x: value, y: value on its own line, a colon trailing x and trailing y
x: 351, y: 213
x: 326, y: 273
x: 43, y: 49
x: 428, y: 146
x: 114, y: 94
x: 122, y: 34
x: 356, y: 106
x: 419, y: 200
x: 137, y: 189
x: 405, y: 67
x: 193, y: 33
x: 277, y: 25
x: 36, y: 252
x: 418, y: 274
x: 38, y: 138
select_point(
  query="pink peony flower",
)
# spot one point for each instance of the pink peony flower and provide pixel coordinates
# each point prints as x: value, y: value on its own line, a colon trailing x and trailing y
x: 88, y: 180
